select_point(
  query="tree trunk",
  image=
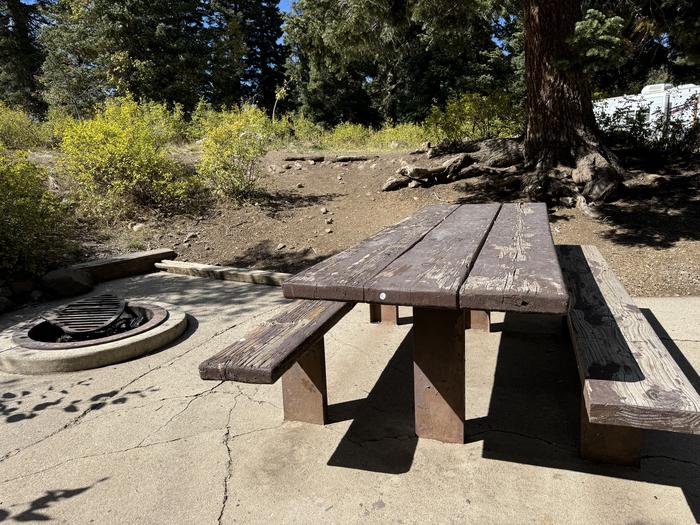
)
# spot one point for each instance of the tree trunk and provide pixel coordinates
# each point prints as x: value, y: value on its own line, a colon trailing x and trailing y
x: 561, y: 128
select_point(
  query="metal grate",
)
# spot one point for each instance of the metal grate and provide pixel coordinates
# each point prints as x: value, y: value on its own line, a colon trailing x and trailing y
x: 87, y: 315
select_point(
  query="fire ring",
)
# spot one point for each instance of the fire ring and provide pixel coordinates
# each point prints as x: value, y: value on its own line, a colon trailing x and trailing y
x: 34, y: 336
x: 18, y: 358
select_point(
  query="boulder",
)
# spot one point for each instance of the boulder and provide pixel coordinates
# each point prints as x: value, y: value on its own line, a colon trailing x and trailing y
x: 67, y: 282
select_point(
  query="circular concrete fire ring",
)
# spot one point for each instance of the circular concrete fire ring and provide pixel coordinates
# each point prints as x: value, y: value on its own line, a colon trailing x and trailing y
x: 21, y: 354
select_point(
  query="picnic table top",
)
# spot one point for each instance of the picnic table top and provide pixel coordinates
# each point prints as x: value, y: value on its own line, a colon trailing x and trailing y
x: 482, y: 256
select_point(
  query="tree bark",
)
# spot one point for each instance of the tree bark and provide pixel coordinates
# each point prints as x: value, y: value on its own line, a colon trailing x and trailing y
x: 561, y: 127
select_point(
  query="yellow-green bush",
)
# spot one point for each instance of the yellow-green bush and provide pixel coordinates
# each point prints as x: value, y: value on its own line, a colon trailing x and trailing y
x: 347, y: 136
x: 17, y: 129
x: 168, y: 126
x: 35, y: 227
x: 400, y: 136
x: 118, y: 161
x: 204, y: 118
x: 57, y: 121
x: 305, y: 131
x: 231, y: 151
x: 472, y: 116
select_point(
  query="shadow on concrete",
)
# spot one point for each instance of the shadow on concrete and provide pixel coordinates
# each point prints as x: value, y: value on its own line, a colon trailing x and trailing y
x: 382, y: 436
x: 533, y: 419
x: 23, y: 404
x: 36, y: 509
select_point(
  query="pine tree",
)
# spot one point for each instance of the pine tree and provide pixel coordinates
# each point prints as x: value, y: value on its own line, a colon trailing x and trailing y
x: 20, y: 54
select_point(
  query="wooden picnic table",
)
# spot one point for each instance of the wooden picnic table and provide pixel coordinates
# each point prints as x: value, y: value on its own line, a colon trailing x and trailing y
x: 443, y: 260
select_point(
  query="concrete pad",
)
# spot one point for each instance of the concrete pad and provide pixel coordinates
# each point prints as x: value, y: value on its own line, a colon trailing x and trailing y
x: 146, y: 441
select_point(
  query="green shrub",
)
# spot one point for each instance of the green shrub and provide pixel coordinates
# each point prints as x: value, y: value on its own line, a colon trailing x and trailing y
x: 305, y: 131
x: 400, y: 136
x: 118, y: 162
x: 17, y: 129
x: 168, y: 126
x: 57, y: 121
x: 471, y: 116
x: 231, y: 151
x: 631, y: 129
x: 35, y: 227
x: 204, y: 118
x: 347, y: 136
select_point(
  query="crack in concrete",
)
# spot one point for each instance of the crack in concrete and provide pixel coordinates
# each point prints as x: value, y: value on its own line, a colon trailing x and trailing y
x: 165, y: 364
x: 671, y: 458
x: 192, y: 399
x: 110, y: 453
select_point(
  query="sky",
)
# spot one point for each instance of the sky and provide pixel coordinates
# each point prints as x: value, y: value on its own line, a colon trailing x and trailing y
x: 285, y: 5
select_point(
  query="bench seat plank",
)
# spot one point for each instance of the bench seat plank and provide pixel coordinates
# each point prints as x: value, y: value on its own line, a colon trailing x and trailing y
x: 629, y: 378
x: 342, y: 277
x: 517, y: 269
x: 431, y: 273
x: 271, y: 349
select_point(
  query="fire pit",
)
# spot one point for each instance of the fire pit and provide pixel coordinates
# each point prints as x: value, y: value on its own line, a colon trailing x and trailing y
x: 89, y: 333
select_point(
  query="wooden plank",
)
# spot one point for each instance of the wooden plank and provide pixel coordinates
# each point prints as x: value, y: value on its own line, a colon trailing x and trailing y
x: 517, y: 269
x: 126, y: 265
x: 383, y: 313
x: 609, y: 443
x: 477, y: 320
x: 224, y: 273
x: 343, y: 276
x: 270, y: 350
x: 629, y: 378
x: 304, y: 390
x: 438, y: 374
x: 431, y: 272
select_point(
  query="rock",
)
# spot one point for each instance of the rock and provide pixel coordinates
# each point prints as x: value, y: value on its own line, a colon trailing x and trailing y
x: 329, y: 221
x: 413, y: 184
x: 297, y: 166
x: 21, y: 286
x: 324, y: 211
x: 328, y: 230
x: 138, y: 227
x: 372, y: 166
x: 6, y: 305
x: 67, y: 282
x: 311, y: 162
x: 186, y: 244
x: 281, y: 246
x: 300, y: 185
x: 340, y: 177
x: 190, y: 236
x: 287, y: 166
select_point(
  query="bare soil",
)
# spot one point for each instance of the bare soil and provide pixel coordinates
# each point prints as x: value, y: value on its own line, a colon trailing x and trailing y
x: 650, y: 235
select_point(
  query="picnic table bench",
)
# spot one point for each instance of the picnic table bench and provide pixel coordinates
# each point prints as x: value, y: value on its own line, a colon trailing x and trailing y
x: 453, y: 263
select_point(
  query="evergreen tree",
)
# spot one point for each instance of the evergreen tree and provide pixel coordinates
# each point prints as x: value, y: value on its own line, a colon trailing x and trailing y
x: 20, y: 54
x: 264, y: 57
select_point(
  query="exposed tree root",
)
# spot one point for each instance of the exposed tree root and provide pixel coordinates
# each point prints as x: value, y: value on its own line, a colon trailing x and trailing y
x: 595, y: 177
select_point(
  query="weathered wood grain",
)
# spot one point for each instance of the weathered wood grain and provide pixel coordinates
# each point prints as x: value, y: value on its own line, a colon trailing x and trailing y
x: 431, y: 272
x: 517, y: 269
x: 629, y: 378
x: 269, y: 351
x: 343, y: 276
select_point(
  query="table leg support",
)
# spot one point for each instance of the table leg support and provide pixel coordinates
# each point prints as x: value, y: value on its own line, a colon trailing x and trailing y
x: 438, y: 374
x: 383, y: 313
x: 610, y: 443
x: 304, y: 391
x: 478, y: 320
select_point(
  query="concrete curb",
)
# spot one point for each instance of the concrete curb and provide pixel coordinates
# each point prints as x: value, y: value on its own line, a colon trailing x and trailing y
x: 224, y: 273
x: 18, y: 360
x: 126, y: 265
